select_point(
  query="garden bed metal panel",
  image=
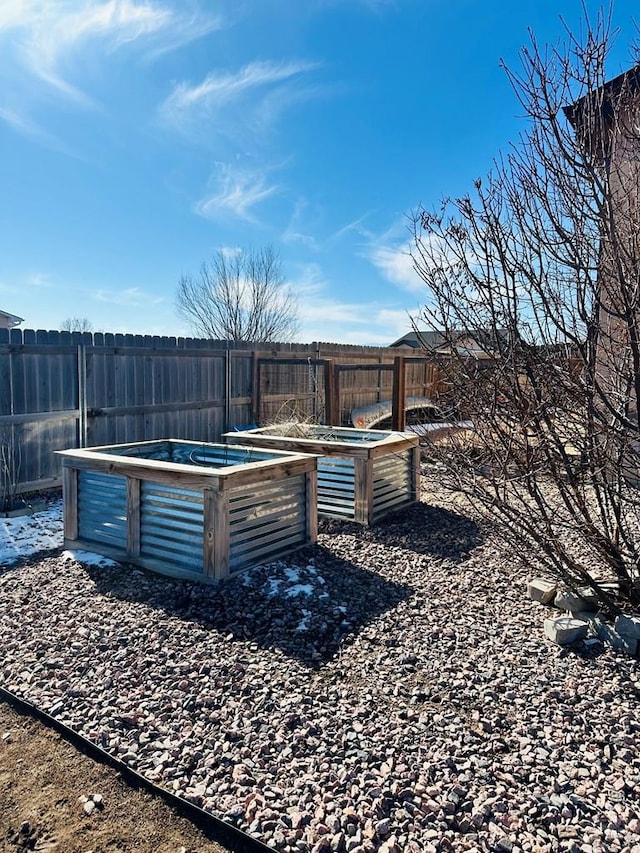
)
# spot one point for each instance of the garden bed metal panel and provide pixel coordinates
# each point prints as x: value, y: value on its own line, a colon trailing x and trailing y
x: 102, y: 508
x: 189, y: 509
x: 362, y: 474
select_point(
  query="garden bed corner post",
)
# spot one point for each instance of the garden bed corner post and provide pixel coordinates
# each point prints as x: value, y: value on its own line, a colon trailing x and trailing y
x: 216, y: 542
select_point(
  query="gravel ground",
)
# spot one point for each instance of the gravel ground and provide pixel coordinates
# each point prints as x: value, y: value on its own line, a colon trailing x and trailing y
x: 389, y: 689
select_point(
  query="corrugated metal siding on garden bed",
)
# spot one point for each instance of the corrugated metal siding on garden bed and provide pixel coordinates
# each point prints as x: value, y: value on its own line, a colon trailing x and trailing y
x: 266, y: 521
x: 336, y: 486
x: 392, y: 482
x: 102, y: 508
x: 171, y: 525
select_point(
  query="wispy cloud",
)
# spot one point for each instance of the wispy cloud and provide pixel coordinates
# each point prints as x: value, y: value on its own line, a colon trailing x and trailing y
x: 369, y: 323
x: 52, y: 35
x: 256, y: 95
x: 22, y: 123
x: 354, y: 227
x: 325, y: 318
x: 40, y: 279
x: 298, y: 228
x: 130, y: 296
x: 26, y: 126
x: 389, y: 252
x: 236, y: 193
x: 218, y: 88
x: 396, y: 265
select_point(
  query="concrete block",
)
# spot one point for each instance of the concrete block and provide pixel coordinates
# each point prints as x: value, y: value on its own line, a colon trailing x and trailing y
x: 589, y: 597
x: 580, y: 599
x: 610, y: 635
x: 628, y: 626
x: 584, y: 615
x: 542, y: 590
x: 563, y: 630
x: 566, y: 600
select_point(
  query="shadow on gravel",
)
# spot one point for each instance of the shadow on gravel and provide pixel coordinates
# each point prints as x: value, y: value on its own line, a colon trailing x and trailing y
x: 421, y: 529
x: 17, y: 563
x: 307, y: 606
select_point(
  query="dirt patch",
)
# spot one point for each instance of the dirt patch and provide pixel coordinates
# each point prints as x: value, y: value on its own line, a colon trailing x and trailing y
x: 41, y: 780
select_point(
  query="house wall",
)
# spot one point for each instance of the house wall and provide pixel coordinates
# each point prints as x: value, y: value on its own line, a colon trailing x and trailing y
x: 620, y: 281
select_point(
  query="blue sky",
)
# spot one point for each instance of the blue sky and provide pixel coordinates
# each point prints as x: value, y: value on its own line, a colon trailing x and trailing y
x: 137, y: 137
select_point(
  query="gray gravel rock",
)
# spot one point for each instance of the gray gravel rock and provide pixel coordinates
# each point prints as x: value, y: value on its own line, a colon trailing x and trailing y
x: 388, y: 689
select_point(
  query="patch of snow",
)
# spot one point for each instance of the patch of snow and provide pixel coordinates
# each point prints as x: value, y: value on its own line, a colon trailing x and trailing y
x: 274, y: 587
x: 300, y: 589
x: 303, y: 624
x: 88, y: 558
x: 294, y: 582
x: 293, y: 574
x: 28, y: 534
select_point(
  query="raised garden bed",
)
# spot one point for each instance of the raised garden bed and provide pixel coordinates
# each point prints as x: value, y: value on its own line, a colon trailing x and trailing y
x: 188, y: 509
x: 362, y: 474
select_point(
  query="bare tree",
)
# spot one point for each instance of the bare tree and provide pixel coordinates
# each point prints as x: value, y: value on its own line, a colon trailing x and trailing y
x: 76, y: 324
x: 240, y: 296
x: 540, y: 263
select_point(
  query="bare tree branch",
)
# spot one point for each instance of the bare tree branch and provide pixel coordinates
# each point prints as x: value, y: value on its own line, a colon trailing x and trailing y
x: 240, y: 296
x: 543, y: 259
x: 76, y: 324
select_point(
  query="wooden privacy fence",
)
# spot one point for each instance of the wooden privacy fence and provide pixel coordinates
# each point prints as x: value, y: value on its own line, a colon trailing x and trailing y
x: 69, y: 389
x: 62, y: 390
x: 321, y: 390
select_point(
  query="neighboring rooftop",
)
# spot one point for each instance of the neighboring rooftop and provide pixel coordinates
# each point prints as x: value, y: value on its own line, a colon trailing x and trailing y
x: 478, y: 342
x: 418, y: 339
x: 8, y: 321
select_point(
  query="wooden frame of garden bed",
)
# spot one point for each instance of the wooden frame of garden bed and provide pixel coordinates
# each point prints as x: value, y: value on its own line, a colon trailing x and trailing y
x: 363, y: 475
x: 212, y: 510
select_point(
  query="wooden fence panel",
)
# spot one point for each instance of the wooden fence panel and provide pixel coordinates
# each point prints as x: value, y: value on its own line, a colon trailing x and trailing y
x: 291, y: 389
x: 6, y: 384
x: 138, y: 394
x: 55, y: 387
x: 240, y: 376
x: 359, y: 388
x: 38, y: 405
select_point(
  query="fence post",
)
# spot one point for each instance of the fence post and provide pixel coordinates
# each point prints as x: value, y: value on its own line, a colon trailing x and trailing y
x: 227, y: 390
x: 329, y: 391
x: 82, y: 395
x: 337, y: 402
x: 399, y: 394
x: 255, y: 388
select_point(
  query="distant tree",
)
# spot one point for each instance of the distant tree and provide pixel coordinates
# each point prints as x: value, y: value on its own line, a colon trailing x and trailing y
x: 544, y: 257
x: 76, y: 324
x: 240, y: 296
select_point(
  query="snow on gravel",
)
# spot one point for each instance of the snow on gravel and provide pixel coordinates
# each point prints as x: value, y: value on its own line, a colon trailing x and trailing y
x: 388, y: 689
x: 28, y: 534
